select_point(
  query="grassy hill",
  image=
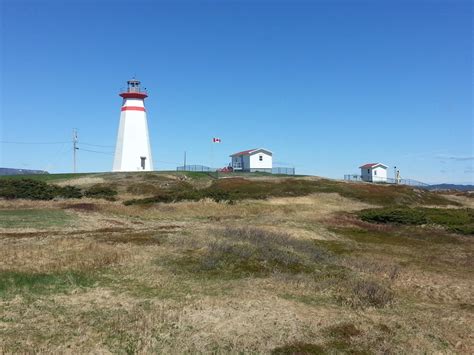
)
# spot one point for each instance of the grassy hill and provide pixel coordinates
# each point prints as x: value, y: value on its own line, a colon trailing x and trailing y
x: 186, y: 262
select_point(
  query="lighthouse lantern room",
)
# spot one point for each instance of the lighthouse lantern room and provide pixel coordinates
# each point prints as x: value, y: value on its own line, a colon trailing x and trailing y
x: 133, y: 151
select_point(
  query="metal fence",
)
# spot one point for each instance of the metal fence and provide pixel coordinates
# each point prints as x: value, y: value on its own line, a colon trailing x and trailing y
x: 409, y: 182
x: 283, y: 171
x: 206, y: 169
x: 198, y: 168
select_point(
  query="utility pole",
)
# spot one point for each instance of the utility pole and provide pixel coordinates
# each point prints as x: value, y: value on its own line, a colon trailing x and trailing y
x: 74, y: 148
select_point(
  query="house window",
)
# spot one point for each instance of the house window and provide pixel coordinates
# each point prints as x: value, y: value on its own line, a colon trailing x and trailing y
x: 142, y: 162
x: 375, y: 172
x: 260, y: 158
x: 368, y: 171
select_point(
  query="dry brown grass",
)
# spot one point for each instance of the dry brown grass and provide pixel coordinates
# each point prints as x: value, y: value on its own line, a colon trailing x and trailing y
x: 54, y: 254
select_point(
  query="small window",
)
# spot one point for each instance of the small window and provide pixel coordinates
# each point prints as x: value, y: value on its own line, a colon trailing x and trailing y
x: 368, y: 171
x: 375, y: 172
x: 142, y: 162
x: 260, y: 158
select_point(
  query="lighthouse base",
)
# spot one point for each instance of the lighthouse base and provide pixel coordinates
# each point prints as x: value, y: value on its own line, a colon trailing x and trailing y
x: 133, y: 152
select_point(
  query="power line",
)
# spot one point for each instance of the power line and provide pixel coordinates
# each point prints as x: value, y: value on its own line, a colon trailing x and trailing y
x: 95, y: 151
x: 97, y: 145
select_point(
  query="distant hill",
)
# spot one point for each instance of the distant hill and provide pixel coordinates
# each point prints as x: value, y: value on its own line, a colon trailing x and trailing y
x: 451, y: 187
x: 10, y: 171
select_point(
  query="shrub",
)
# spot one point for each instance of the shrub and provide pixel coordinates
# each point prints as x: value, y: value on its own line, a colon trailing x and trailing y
x: 35, y: 190
x: 454, y: 219
x: 101, y: 191
x: 394, y: 215
x: 366, y: 293
x: 68, y: 192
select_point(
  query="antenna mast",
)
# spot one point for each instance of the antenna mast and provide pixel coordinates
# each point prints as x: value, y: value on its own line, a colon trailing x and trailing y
x: 74, y: 148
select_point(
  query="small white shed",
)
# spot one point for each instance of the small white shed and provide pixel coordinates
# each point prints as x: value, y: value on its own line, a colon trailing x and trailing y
x: 252, y: 160
x: 374, y: 172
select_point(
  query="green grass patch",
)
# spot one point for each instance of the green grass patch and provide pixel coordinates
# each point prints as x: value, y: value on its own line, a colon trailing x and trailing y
x: 46, y: 177
x: 14, y: 283
x: 455, y: 220
x: 34, y: 218
x: 402, y: 236
x: 334, y: 246
x: 299, y: 348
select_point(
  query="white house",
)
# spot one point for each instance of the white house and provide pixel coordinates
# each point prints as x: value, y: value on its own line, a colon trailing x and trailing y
x: 374, y: 172
x: 252, y: 160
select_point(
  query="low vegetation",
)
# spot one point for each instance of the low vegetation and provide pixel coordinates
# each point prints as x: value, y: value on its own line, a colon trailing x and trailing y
x: 251, y: 264
x: 35, y: 190
x: 33, y: 284
x: 456, y: 220
x: 31, y: 189
x: 34, y: 218
x: 236, y: 189
x: 46, y: 177
x: 101, y: 191
x: 242, y: 252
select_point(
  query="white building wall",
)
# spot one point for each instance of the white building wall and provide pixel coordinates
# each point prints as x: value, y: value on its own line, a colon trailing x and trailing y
x: 379, y: 174
x: 266, y: 162
x: 133, y: 140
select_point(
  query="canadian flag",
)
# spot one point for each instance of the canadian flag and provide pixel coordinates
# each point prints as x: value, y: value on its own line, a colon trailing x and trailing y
x: 216, y: 140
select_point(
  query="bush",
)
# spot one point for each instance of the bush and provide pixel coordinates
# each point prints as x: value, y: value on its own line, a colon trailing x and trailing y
x: 457, y: 220
x: 35, y: 190
x: 366, y: 293
x: 370, y: 293
x: 101, y: 191
x: 69, y: 192
x: 394, y: 215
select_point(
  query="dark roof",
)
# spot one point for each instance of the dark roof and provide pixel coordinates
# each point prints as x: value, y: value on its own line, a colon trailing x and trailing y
x: 250, y: 151
x: 245, y: 152
x: 372, y: 165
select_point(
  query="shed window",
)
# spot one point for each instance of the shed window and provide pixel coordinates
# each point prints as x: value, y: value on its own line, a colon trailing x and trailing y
x: 260, y: 158
x: 368, y: 171
x: 375, y: 172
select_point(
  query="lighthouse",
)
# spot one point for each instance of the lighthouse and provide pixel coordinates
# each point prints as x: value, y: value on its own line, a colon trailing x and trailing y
x: 132, y: 151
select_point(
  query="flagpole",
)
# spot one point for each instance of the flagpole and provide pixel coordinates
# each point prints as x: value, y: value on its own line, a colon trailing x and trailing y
x: 212, y: 153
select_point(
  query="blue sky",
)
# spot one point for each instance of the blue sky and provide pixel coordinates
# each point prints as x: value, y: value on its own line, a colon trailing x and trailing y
x: 326, y: 85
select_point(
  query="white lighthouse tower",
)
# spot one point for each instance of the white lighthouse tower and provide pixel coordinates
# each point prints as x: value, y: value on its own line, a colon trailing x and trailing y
x: 132, y: 151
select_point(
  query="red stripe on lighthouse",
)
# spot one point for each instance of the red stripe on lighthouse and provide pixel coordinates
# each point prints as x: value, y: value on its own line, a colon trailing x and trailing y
x: 132, y: 108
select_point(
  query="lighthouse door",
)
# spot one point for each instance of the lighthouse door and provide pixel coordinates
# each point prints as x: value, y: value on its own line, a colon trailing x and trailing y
x: 142, y: 162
